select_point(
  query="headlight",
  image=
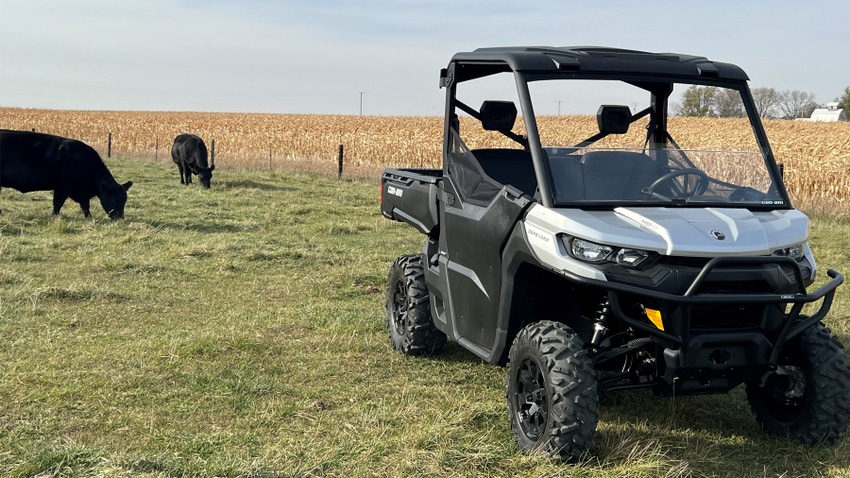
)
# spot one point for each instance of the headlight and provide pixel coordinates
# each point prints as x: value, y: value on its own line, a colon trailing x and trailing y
x: 794, y: 252
x: 588, y: 251
x: 630, y: 257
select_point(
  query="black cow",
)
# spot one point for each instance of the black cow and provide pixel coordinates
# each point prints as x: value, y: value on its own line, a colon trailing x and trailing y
x: 190, y: 154
x: 71, y: 169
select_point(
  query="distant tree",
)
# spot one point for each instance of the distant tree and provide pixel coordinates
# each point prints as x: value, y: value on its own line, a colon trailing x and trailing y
x: 766, y: 100
x: 697, y: 101
x: 728, y: 104
x: 796, y: 104
x: 844, y: 101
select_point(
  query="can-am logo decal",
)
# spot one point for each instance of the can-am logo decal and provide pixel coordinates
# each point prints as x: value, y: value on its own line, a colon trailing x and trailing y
x: 717, y: 234
x: 395, y: 191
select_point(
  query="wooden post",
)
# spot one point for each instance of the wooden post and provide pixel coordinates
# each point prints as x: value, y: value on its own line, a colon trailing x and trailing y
x: 339, y: 160
x: 212, y: 153
x: 156, y: 150
x: 270, y: 158
x: 109, y: 146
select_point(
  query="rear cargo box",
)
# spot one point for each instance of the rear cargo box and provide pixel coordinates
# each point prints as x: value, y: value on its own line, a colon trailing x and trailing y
x: 410, y: 195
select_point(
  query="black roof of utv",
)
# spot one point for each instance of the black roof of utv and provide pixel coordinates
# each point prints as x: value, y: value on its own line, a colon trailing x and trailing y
x: 591, y: 59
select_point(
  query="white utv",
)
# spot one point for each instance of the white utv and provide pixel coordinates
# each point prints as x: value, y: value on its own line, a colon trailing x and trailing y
x: 642, y: 250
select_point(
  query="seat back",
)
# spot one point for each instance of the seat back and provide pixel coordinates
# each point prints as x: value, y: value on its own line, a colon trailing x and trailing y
x: 509, y: 166
x: 617, y: 174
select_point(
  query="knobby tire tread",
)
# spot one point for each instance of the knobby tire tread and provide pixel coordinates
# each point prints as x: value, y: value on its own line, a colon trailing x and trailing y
x: 826, y: 414
x: 419, y: 335
x: 573, y: 411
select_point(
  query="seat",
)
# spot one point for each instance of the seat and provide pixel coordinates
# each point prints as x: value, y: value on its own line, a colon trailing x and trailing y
x: 617, y: 175
x: 508, y: 166
x: 567, y: 177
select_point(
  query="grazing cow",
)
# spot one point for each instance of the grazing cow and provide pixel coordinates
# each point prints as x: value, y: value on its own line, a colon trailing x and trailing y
x: 71, y: 169
x: 190, y: 154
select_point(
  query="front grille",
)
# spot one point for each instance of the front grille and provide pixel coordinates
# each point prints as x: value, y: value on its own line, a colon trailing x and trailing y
x: 731, y: 316
x: 735, y: 287
x: 679, y: 261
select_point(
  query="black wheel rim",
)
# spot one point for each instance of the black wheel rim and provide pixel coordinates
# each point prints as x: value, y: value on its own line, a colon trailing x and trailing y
x: 399, y: 312
x: 531, y: 404
x: 783, y: 392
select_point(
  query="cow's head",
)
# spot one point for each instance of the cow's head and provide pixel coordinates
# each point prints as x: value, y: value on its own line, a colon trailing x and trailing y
x: 113, y: 197
x: 205, y: 175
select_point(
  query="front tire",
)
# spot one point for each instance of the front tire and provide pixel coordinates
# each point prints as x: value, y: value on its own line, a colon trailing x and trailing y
x: 807, y: 396
x: 411, y: 329
x: 551, y: 392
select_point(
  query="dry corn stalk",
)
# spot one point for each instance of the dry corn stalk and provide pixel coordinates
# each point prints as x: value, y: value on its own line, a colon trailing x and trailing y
x: 816, y: 156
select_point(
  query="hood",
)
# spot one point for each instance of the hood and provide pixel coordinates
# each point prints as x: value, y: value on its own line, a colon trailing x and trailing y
x: 694, y: 232
x: 712, y: 231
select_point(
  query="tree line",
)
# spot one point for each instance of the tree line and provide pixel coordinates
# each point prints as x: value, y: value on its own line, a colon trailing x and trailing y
x: 771, y: 103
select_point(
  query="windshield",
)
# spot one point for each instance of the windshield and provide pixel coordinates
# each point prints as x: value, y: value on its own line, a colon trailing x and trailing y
x: 612, y: 146
x: 610, y: 143
x: 660, y: 175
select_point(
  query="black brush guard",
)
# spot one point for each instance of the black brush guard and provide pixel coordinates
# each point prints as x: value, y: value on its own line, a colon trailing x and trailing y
x: 714, y: 360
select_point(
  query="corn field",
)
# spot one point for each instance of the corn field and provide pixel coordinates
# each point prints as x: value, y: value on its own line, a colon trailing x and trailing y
x: 816, y: 156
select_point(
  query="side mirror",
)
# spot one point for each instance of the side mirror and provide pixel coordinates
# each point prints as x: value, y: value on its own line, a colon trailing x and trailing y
x: 498, y: 115
x: 613, y: 119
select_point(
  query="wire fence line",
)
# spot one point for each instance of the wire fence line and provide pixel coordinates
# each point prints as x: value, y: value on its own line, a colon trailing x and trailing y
x: 816, y: 156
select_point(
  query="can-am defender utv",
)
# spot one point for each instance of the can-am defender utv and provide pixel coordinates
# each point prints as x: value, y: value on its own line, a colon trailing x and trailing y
x: 645, y: 249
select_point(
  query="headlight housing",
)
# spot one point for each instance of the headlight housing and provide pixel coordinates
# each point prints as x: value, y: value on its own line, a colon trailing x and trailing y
x: 595, y: 253
x: 794, y: 252
x: 589, y: 251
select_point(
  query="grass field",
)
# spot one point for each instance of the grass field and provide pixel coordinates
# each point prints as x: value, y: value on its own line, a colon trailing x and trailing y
x: 239, y: 331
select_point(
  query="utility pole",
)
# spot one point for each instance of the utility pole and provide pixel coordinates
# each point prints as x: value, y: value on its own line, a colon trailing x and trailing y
x: 361, y: 103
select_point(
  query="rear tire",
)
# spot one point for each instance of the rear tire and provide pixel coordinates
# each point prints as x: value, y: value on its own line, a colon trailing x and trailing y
x: 551, y: 392
x: 411, y: 329
x: 807, y: 397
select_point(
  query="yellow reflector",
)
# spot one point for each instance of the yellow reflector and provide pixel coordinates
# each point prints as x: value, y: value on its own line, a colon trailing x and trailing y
x: 655, y: 317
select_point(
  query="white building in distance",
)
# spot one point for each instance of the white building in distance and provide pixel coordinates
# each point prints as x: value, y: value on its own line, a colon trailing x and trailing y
x: 831, y: 113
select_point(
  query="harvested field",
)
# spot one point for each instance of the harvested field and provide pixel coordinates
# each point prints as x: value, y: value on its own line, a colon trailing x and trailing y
x: 816, y: 156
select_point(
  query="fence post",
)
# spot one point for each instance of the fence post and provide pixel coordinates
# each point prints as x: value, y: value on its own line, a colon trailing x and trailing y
x: 339, y: 160
x: 270, y: 158
x: 212, y: 153
x: 156, y: 150
x: 109, y: 146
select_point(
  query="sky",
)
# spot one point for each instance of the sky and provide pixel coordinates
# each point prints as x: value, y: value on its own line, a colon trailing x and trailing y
x: 374, y: 57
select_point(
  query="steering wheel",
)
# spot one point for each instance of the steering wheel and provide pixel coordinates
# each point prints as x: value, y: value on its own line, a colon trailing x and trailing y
x: 685, y: 189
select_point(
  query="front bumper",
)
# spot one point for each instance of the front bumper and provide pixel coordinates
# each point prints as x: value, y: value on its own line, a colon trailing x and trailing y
x: 697, y: 354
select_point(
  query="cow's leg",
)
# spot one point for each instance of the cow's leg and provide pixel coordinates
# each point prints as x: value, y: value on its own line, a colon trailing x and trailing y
x: 59, y: 198
x: 86, y: 207
x: 180, y: 168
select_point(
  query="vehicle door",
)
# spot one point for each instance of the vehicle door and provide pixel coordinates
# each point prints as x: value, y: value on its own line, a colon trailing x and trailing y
x: 479, y: 216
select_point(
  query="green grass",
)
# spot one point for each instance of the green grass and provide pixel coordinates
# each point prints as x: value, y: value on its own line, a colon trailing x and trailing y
x: 239, y: 331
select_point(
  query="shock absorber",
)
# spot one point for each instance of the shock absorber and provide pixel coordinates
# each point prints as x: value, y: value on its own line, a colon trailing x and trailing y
x: 600, y: 327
